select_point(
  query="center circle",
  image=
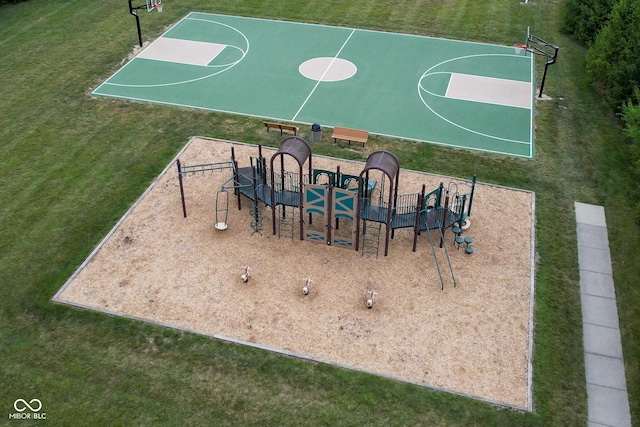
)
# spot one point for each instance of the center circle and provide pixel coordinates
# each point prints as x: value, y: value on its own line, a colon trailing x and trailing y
x: 327, y: 69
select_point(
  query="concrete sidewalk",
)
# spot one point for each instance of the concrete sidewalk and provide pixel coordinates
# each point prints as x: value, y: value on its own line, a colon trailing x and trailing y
x: 608, y: 403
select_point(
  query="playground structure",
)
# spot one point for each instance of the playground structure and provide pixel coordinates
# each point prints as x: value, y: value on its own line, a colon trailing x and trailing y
x: 334, y: 208
x: 184, y: 273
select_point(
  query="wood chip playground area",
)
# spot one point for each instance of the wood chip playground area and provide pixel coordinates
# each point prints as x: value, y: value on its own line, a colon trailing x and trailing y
x: 473, y: 339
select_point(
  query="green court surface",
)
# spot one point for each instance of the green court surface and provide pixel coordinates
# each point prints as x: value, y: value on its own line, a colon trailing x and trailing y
x: 460, y: 94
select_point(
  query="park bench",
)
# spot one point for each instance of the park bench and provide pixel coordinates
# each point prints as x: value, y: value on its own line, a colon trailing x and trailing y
x: 290, y: 128
x: 350, y: 135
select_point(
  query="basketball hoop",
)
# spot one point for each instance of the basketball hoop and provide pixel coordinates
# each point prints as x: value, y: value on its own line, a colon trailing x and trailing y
x: 149, y: 5
x: 519, y: 47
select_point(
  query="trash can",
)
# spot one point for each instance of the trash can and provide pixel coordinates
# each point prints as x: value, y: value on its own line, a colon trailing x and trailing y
x: 316, y: 133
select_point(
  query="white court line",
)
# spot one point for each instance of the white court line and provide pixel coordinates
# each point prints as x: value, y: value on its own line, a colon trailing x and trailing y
x: 199, y: 16
x: 363, y: 30
x: 426, y: 104
x: 532, y: 108
x: 323, y: 75
x: 221, y: 67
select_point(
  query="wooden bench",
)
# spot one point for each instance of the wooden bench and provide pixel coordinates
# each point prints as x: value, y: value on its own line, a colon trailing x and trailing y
x: 290, y: 128
x: 350, y: 135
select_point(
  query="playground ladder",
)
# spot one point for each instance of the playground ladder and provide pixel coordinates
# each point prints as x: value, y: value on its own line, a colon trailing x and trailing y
x: 256, y: 222
x: 286, y: 222
x: 371, y: 231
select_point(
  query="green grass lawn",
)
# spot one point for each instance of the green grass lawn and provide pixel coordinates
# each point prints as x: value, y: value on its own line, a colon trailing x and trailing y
x: 72, y: 165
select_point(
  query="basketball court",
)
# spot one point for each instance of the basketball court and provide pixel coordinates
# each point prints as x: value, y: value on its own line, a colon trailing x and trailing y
x: 454, y: 93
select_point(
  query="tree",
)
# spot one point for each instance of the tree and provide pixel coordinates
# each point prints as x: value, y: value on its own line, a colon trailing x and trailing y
x: 613, y: 60
x: 585, y: 18
x: 631, y: 117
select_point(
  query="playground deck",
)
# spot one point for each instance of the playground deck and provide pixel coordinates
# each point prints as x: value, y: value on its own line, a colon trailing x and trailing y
x: 252, y: 185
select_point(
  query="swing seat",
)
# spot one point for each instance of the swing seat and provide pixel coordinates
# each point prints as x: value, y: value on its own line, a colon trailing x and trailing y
x: 222, y: 209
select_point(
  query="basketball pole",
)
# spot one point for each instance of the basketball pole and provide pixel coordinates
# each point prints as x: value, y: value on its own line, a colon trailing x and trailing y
x: 134, y: 11
x: 541, y: 47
